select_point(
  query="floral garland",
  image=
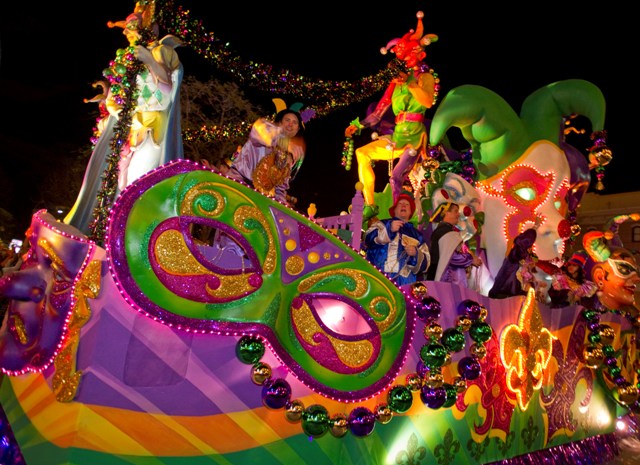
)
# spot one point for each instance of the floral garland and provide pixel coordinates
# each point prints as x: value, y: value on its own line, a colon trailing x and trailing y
x: 598, y: 353
x: 429, y: 380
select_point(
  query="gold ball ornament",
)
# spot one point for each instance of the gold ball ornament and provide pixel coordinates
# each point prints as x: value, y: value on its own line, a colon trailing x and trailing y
x: 600, y: 155
x: 479, y: 350
x: 430, y: 164
x: 294, y: 410
x: 433, y: 379
x: 463, y: 322
x: 383, y: 414
x: 607, y: 334
x: 575, y: 229
x: 260, y: 372
x: 413, y: 381
x: 339, y: 425
x: 593, y: 356
x: 433, y: 331
x: 459, y: 384
x: 627, y: 394
x: 419, y: 291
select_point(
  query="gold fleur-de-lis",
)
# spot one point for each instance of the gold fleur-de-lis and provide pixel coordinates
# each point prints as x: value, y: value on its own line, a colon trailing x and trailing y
x: 525, y: 350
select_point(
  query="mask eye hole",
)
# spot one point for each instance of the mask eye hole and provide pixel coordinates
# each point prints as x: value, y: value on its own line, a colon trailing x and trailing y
x: 622, y: 269
x: 526, y: 193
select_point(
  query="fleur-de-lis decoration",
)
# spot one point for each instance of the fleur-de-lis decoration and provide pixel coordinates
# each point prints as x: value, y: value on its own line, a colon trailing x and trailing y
x: 446, y: 452
x: 504, y: 446
x: 530, y: 433
x: 525, y: 350
x: 413, y: 455
x: 476, y: 449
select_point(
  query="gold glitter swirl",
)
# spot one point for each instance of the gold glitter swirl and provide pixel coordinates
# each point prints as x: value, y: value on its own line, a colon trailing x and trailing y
x: 245, y: 213
x: 391, y: 315
x: 354, y: 354
x: 361, y: 284
x: 66, y: 379
x: 232, y: 286
x: 175, y: 258
x: 190, y: 205
x: 294, y: 265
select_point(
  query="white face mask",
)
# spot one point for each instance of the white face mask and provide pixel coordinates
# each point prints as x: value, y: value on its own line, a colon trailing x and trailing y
x: 533, y: 188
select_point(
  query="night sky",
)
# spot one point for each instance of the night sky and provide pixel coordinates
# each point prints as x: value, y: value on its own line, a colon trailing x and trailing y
x: 51, y: 53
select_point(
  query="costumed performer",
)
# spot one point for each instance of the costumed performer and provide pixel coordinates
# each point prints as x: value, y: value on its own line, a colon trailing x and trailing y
x: 450, y: 257
x: 571, y: 286
x: 153, y: 135
x: 394, y: 245
x: 410, y: 94
x: 272, y: 156
x: 509, y: 282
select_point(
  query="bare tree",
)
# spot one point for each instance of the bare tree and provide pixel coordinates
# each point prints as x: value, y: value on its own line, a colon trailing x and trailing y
x: 216, y: 118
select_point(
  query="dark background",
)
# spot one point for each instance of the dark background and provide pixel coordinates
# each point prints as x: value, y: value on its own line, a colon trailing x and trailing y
x: 51, y: 53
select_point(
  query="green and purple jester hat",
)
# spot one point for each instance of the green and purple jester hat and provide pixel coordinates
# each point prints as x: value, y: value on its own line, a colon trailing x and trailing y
x: 526, y: 171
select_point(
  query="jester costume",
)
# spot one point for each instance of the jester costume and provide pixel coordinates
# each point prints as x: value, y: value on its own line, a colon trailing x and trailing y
x: 409, y: 95
x: 264, y: 163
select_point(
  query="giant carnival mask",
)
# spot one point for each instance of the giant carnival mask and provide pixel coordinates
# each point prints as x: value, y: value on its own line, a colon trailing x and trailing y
x: 331, y: 316
x: 526, y: 171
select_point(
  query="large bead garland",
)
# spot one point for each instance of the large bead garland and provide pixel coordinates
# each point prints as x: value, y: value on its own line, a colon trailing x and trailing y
x: 428, y: 378
x: 598, y: 353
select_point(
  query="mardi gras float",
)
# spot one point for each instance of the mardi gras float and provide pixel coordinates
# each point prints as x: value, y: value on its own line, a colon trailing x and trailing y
x: 298, y: 349
x: 158, y: 346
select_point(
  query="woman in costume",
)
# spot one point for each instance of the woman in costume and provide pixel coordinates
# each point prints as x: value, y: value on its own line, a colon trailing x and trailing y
x: 450, y: 256
x: 570, y: 286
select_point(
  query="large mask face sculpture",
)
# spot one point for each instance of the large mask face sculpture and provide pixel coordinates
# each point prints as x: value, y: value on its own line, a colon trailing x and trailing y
x: 42, y: 293
x: 521, y: 161
x: 617, y: 279
x: 533, y: 189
